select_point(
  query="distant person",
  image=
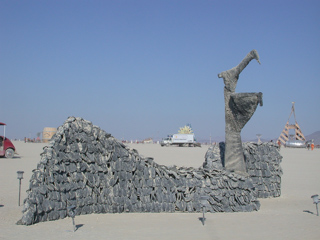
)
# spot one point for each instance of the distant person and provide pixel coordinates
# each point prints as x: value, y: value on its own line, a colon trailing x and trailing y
x: 308, y: 146
x: 312, y: 146
x: 279, y: 144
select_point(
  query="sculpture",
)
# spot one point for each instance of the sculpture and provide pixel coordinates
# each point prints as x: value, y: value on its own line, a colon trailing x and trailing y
x: 87, y: 168
x: 239, y: 108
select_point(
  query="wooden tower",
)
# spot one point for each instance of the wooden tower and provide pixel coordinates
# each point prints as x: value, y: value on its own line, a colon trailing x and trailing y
x: 284, y: 136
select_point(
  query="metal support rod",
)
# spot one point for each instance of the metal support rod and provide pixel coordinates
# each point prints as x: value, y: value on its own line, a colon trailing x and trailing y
x: 74, y: 226
x: 203, y: 214
x: 71, y: 212
x: 315, y: 199
x: 203, y: 218
x: 19, y: 190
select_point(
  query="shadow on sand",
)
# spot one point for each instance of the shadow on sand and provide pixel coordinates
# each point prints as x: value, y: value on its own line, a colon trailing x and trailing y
x: 76, y: 228
x: 307, y: 211
x: 79, y: 226
x: 202, y: 220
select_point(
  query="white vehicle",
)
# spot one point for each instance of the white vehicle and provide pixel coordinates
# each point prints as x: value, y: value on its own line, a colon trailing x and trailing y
x: 295, y: 144
x: 181, y: 140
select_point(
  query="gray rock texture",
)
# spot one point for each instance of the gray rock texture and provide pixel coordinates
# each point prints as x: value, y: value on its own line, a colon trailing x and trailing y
x: 239, y: 108
x: 263, y: 166
x: 86, y: 167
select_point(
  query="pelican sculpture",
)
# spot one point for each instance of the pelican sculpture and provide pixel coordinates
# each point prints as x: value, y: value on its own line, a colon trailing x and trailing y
x: 239, y: 108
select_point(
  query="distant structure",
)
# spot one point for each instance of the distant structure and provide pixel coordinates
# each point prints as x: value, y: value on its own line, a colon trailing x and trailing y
x: 147, y: 140
x: 48, y: 133
x: 259, y: 138
x: 186, y: 129
x: 284, y: 136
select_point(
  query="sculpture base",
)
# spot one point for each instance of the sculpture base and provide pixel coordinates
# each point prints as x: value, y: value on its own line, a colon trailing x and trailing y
x: 234, y: 158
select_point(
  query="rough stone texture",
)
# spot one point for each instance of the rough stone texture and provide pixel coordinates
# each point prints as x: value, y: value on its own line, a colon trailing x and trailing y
x: 239, y: 108
x: 263, y: 166
x: 86, y: 167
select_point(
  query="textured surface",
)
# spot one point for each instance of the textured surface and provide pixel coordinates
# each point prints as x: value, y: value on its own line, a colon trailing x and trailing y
x: 263, y: 166
x: 88, y: 168
x: 239, y: 108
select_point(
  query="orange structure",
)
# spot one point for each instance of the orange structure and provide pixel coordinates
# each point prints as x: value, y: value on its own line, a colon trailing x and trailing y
x: 284, y: 136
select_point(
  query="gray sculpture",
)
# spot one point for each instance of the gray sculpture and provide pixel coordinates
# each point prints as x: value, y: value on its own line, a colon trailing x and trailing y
x: 239, y: 108
x: 88, y: 168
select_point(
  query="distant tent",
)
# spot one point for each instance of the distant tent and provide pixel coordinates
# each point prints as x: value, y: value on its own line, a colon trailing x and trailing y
x: 148, y: 140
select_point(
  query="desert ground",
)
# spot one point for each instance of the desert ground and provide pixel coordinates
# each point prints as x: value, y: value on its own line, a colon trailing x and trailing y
x: 291, y: 216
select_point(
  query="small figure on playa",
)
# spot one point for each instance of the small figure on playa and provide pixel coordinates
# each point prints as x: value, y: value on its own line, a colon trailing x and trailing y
x: 312, y: 146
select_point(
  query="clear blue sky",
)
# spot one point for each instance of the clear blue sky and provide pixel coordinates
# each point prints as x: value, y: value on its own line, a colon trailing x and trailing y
x: 142, y: 69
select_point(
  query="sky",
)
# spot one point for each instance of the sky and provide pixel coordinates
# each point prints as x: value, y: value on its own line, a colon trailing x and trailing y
x: 140, y: 69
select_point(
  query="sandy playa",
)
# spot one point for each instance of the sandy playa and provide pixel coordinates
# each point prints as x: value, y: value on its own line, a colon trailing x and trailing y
x: 291, y: 216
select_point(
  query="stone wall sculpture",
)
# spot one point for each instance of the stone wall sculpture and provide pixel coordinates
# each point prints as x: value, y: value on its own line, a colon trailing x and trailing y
x: 86, y: 167
x: 263, y: 166
x: 239, y: 108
